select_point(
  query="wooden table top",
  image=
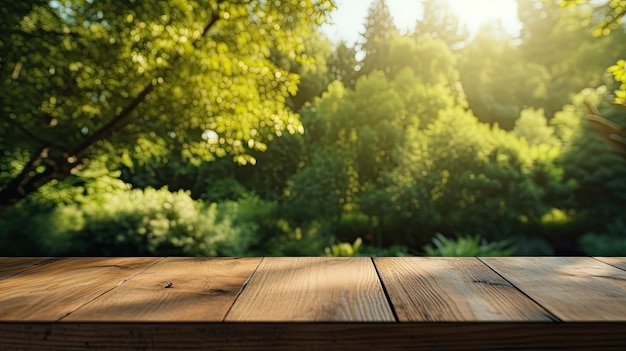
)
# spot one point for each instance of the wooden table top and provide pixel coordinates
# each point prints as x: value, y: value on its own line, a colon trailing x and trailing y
x: 358, y: 292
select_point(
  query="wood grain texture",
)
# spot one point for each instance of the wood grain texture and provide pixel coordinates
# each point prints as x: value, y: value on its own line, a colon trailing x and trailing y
x: 313, y: 289
x: 572, y: 288
x: 619, y: 262
x: 10, y: 266
x: 312, y: 336
x: 50, y: 292
x: 443, y: 289
x: 175, y: 289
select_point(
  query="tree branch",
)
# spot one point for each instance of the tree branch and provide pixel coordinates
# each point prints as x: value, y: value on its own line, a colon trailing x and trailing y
x: 16, y: 186
x: 63, y: 164
x: 121, y: 119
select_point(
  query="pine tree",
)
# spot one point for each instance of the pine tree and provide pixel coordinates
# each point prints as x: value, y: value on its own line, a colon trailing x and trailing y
x: 440, y: 22
x: 342, y: 65
x: 379, y: 30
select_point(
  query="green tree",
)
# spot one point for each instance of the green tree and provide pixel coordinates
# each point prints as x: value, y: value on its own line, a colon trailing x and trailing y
x: 440, y: 22
x: 560, y: 39
x: 342, y: 65
x: 99, y: 79
x: 589, y: 161
x: 318, y: 190
x: 367, y: 126
x: 311, y: 66
x: 533, y: 126
x: 379, y: 31
x: 461, y: 176
x: 429, y: 58
x: 612, y: 12
x: 498, y: 81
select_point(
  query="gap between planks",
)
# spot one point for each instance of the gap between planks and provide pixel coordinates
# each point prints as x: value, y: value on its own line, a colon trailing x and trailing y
x: 386, y: 284
x: 552, y: 315
x: 112, y: 288
x: 617, y: 262
x: 440, y: 289
x: 178, y: 289
x: 575, y: 289
x: 385, y: 291
x: 243, y: 287
x: 313, y: 289
x: 48, y: 292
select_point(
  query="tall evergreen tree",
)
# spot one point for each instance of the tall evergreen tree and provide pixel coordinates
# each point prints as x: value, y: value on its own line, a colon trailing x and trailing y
x: 342, y: 65
x: 379, y: 30
x: 440, y: 22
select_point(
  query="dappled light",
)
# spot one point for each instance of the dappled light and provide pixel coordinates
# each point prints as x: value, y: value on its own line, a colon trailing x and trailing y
x: 239, y: 128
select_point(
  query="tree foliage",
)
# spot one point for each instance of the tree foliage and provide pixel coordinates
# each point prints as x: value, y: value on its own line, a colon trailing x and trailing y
x: 89, y: 79
x: 379, y: 31
x: 497, y: 81
x: 467, y: 246
x: 612, y: 12
x: 340, y: 149
x: 342, y: 65
x: 440, y: 22
x: 555, y: 57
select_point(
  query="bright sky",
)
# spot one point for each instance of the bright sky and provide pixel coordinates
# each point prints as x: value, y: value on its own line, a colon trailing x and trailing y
x: 349, y: 16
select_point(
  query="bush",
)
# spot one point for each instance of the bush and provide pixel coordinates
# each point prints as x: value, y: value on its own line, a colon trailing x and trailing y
x: 159, y: 222
x: 390, y: 251
x: 353, y: 225
x: 135, y: 222
x: 466, y: 246
x: 526, y: 246
x: 344, y: 249
x: 309, y: 239
x: 610, y: 242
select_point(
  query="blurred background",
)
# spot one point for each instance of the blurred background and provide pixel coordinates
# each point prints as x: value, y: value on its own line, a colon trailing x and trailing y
x: 312, y: 127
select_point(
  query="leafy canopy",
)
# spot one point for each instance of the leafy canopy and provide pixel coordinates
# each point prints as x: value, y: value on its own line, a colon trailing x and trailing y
x: 613, y: 11
x: 129, y: 80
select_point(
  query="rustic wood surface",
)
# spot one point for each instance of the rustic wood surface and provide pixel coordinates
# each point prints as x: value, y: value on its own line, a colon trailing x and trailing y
x: 312, y: 336
x: 413, y: 303
x: 619, y: 262
x: 424, y: 289
x: 175, y: 289
x: 313, y: 289
x: 10, y: 266
x: 572, y: 288
x: 52, y: 291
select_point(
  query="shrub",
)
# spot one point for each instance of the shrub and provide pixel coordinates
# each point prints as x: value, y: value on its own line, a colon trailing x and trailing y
x: 134, y: 222
x: 610, y: 242
x: 466, y: 246
x: 344, y: 249
x: 526, y: 246
x: 159, y: 222
x: 390, y: 251
x: 306, y: 240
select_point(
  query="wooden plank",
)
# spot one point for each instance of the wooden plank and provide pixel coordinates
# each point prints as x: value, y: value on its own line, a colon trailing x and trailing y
x: 175, y: 289
x: 313, y: 289
x: 312, y: 336
x: 572, y: 288
x: 10, y: 266
x: 50, y: 292
x: 619, y: 262
x: 429, y: 289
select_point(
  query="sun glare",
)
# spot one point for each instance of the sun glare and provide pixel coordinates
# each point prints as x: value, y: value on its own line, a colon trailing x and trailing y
x: 349, y: 17
x: 476, y: 13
